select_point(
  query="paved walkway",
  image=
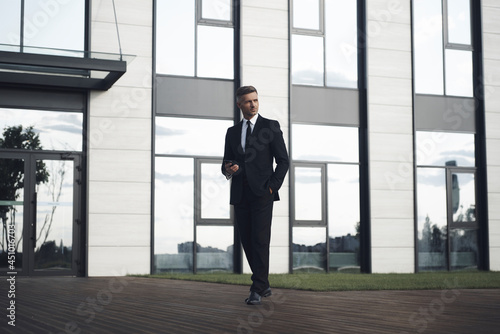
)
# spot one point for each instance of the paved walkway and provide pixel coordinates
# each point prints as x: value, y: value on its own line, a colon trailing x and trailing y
x: 142, y: 305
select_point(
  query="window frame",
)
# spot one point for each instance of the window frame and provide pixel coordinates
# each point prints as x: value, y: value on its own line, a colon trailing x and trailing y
x: 198, y: 220
x: 323, y: 222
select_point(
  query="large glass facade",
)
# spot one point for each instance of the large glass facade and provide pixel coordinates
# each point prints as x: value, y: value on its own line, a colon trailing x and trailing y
x: 193, y: 219
x: 325, y: 210
x: 35, y: 27
x: 325, y: 199
x: 324, y: 43
x: 195, y: 38
x: 446, y: 201
x: 443, y: 47
x: 446, y: 157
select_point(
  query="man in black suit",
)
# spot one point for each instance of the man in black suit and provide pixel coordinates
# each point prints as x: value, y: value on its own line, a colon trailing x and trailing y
x: 250, y: 148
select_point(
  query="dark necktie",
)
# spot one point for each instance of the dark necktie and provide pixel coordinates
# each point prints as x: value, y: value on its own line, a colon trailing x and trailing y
x: 249, y: 132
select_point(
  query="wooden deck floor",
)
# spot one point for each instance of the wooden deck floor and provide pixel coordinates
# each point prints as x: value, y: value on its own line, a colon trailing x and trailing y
x: 141, y: 305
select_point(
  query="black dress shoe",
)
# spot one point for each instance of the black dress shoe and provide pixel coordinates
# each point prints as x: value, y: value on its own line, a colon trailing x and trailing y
x: 253, y: 299
x: 266, y: 293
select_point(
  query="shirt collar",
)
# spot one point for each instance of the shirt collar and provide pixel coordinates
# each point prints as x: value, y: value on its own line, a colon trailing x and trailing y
x: 252, y: 120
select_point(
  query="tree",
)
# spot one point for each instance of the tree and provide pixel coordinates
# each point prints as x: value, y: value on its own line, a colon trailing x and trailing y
x: 12, y: 173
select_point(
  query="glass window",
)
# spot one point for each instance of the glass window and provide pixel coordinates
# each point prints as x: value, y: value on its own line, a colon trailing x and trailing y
x: 432, y: 221
x: 175, y: 29
x: 459, y: 29
x: 215, y: 52
x: 53, y: 26
x: 463, y: 198
x: 171, y: 131
x: 445, y: 148
x: 325, y: 143
x: 428, y: 51
x: 214, y: 248
x: 343, y: 217
x: 216, y: 10
x: 174, y: 214
x: 57, y: 25
x: 307, y: 60
x: 341, y: 43
x: 11, y: 209
x: 463, y: 249
x: 459, y: 73
x: 214, y: 192
x: 10, y: 25
x: 190, y: 47
x: 56, y: 130
x: 309, y: 249
x: 306, y: 14
x: 308, y: 194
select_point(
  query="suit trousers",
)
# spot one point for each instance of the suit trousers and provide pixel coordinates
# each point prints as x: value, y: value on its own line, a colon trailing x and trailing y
x: 253, y: 220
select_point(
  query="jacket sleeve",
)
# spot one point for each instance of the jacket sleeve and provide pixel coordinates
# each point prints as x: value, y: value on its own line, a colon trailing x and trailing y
x: 280, y: 155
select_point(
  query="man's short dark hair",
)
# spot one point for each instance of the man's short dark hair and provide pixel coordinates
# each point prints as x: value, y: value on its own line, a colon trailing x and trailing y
x: 244, y: 90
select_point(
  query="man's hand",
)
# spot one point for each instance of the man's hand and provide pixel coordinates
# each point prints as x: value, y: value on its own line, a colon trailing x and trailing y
x: 270, y: 190
x: 231, y: 168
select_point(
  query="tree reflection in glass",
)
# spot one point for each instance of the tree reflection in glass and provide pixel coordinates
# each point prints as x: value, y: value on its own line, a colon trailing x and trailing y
x: 12, y: 183
x: 432, y: 222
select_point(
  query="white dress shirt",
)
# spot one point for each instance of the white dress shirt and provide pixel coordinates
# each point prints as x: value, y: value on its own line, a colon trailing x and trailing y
x: 253, y: 120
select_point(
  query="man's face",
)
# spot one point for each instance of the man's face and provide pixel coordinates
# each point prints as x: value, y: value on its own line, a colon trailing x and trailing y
x: 249, y: 105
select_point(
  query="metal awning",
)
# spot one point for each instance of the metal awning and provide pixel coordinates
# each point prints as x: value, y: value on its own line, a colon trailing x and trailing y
x: 61, y: 68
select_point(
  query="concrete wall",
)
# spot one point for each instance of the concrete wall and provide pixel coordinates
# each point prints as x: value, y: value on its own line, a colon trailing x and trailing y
x: 390, y: 135
x: 491, y: 63
x: 119, y: 155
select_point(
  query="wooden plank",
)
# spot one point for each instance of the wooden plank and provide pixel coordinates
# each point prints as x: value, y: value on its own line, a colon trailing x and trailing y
x: 142, y: 305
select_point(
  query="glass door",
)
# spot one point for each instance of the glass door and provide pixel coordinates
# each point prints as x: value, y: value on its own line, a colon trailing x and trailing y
x: 462, y: 221
x: 40, y: 213
x: 11, y: 213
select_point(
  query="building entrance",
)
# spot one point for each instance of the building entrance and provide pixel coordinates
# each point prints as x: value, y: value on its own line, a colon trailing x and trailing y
x: 40, y: 213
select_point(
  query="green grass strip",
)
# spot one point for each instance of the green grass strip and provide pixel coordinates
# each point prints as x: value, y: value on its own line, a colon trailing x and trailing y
x: 352, y: 282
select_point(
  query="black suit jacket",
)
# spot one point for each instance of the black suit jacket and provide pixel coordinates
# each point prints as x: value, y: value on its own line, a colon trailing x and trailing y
x: 265, y: 144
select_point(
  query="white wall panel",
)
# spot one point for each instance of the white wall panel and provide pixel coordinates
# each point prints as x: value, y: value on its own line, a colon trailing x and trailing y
x: 269, y: 82
x: 118, y: 261
x: 391, y: 147
x: 388, y: 63
x: 392, y: 204
x: 122, y: 102
x: 115, y: 165
x: 264, y: 22
x: 391, y: 119
x: 388, y: 35
x: 392, y: 175
x: 389, y: 91
x: 120, y: 133
x: 403, y: 227
x: 119, y: 230
x: 491, y: 46
x: 278, y: 259
x: 390, y: 135
x: 396, y: 11
x: 393, y: 260
x: 280, y: 231
x: 119, y: 141
x: 119, y: 197
x: 491, y: 24
x: 271, y: 52
x: 129, y: 12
